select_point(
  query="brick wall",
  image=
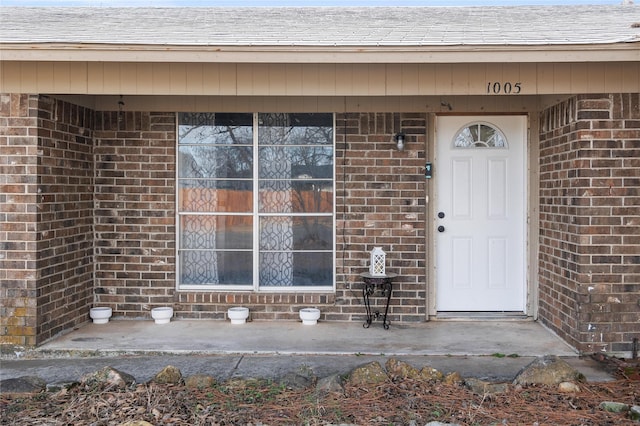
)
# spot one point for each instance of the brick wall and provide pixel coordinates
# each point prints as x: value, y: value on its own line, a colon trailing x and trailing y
x: 64, y: 216
x: 47, y: 212
x: 18, y: 201
x: 89, y: 209
x: 380, y: 202
x: 589, y: 265
x: 134, y: 211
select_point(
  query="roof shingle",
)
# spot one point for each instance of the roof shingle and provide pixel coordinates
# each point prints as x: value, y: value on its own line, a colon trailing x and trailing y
x: 317, y: 26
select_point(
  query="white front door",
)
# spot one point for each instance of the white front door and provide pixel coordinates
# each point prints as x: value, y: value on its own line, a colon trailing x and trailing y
x: 479, y: 175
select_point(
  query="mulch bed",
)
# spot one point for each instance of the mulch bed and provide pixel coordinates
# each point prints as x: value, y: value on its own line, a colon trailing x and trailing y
x: 266, y: 402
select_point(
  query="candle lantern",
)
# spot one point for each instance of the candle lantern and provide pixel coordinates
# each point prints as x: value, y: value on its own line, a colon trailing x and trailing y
x: 377, y: 265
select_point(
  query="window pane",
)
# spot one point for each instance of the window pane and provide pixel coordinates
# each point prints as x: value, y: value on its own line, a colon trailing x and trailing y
x: 296, y: 269
x: 285, y: 196
x: 215, y: 196
x: 295, y: 129
x: 479, y: 135
x: 216, y: 232
x: 220, y: 128
x: 200, y: 267
x: 297, y: 162
x: 296, y: 233
x: 276, y: 233
x: 210, y: 161
x: 313, y: 233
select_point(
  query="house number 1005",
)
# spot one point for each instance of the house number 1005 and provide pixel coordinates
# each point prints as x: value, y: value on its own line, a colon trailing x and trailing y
x: 507, y: 87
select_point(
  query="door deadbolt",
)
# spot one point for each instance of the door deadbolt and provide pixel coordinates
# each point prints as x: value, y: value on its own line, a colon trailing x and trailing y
x: 441, y: 215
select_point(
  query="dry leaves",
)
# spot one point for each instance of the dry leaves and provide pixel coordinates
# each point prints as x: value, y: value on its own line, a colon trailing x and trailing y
x: 252, y: 402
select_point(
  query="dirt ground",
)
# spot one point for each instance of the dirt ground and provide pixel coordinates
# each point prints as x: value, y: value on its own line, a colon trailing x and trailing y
x: 262, y: 402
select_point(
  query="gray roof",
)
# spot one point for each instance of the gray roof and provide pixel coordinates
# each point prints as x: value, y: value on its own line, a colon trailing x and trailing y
x: 317, y: 26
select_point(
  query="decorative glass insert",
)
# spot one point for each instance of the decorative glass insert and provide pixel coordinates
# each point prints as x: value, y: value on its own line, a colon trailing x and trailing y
x: 480, y: 135
x: 255, y: 200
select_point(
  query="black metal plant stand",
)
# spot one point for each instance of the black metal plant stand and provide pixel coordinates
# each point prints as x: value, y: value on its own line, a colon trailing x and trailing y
x: 371, y: 284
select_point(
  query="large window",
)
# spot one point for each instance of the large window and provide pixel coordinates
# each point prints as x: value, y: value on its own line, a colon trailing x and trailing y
x: 255, y: 201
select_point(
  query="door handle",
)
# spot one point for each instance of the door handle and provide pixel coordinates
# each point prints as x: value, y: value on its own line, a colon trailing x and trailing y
x: 440, y: 228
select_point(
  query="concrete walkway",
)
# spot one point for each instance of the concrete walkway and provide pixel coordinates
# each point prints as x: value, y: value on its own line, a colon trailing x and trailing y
x: 327, y: 338
x: 275, y: 349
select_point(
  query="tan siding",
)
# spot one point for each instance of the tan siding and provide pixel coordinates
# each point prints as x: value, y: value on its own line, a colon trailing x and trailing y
x: 113, y: 81
x: 459, y: 104
x: 210, y: 79
x: 310, y: 80
x: 631, y: 78
x: 178, y: 79
x: 326, y: 79
x: 11, y: 72
x: 45, y: 78
x: 277, y: 80
x: 293, y: 77
x: 376, y: 80
x: 228, y: 79
x: 194, y: 79
x: 477, y: 77
x: 561, y: 78
x: 427, y: 79
x: 460, y: 80
x: 344, y: 79
x: 443, y: 79
x: 410, y: 79
x: 314, y: 79
x: 595, y: 78
x: 129, y: 73
x: 95, y: 78
x: 245, y: 80
x: 579, y: 74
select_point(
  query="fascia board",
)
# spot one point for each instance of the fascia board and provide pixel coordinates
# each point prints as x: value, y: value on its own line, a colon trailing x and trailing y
x: 617, y: 52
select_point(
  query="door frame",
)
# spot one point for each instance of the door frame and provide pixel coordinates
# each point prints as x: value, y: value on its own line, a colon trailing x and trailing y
x: 531, y: 208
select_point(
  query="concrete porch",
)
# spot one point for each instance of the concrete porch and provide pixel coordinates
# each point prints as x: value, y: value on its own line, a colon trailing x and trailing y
x: 275, y: 349
x: 474, y: 338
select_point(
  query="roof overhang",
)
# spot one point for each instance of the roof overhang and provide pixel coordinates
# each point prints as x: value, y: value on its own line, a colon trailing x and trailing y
x: 614, y: 52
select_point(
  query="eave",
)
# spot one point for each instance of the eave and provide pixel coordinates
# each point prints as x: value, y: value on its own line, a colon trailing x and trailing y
x: 614, y: 52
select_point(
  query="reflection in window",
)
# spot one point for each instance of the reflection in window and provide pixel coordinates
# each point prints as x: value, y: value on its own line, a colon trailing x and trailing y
x: 480, y: 135
x: 255, y: 200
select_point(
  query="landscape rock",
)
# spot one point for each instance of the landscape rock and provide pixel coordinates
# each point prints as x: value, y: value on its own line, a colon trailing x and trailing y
x: 441, y: 424
x: 330, y: 384
x: 136, y: 423
x: 547, y: 370
x: 401, y: 370
x: 431, y: 374
x: 481, y: 387
x: 108, y: 376
x: 368, y: 374
x: 614, y: 407
x: 24, y: 384
x: 199, y: 381
x: 453, y: 378
x: 634, y: 413
x: 568, y: 387
x: 169, y: 375
x: 298, y: 380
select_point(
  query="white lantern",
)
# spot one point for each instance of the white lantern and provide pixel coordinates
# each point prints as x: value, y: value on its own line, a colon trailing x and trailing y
x: 377, y: 265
